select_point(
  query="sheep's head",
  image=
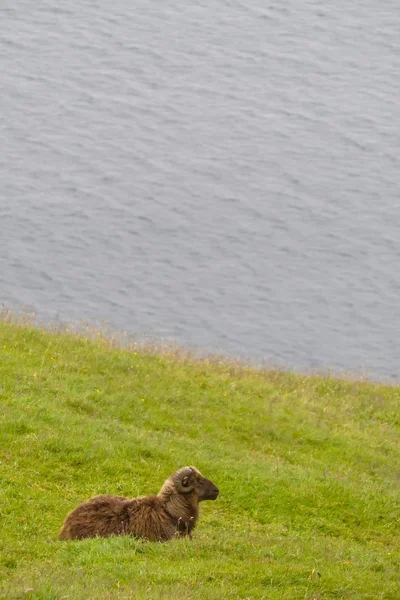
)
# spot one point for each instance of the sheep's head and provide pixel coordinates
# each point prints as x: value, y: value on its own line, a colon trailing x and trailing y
x: 190, y: 480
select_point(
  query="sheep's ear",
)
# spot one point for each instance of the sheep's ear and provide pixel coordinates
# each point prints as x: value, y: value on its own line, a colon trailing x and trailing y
x: 186, y: 479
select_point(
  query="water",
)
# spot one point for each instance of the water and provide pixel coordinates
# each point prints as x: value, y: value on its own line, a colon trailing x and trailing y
x: 219, y: 172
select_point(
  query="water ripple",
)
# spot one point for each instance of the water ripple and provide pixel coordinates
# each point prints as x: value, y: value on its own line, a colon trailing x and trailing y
x: 221, y: 173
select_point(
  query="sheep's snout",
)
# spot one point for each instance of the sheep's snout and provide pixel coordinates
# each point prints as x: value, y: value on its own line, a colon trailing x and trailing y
x: 210, y: 490
x: 214, y: 493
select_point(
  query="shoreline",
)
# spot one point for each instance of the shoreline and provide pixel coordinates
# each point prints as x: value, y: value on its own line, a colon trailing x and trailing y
x: 172, y: 349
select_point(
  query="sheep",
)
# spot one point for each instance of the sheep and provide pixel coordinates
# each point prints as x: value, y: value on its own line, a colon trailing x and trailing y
x: 173, y: 512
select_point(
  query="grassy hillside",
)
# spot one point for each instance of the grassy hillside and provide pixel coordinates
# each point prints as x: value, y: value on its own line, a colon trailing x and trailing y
x: 308, y: 469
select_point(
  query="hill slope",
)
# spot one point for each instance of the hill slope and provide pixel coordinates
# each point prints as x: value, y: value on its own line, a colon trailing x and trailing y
x: 308, y: 469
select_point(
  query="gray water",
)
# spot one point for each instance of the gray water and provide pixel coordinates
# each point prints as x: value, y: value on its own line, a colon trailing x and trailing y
x: 223, y: 173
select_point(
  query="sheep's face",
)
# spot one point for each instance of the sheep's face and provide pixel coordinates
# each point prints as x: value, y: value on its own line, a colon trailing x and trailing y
x: 190, y: 480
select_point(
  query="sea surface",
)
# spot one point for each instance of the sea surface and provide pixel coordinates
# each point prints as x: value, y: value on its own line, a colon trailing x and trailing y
x: 222, y: 173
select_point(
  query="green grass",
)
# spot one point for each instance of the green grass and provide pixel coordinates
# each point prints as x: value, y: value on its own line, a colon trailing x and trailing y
x: 308, y: 470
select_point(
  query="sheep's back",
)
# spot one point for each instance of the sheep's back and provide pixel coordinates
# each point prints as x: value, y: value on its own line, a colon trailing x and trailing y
x: 100, y: 516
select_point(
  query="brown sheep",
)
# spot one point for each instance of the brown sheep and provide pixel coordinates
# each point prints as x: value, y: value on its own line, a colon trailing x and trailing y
x: 173, y: 512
